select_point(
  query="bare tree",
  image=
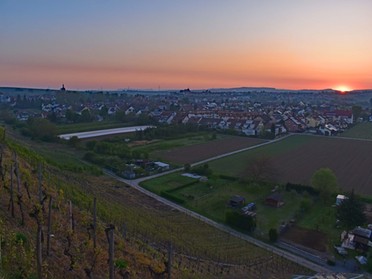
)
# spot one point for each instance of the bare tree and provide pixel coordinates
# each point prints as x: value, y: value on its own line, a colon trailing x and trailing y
x: 261, y: 169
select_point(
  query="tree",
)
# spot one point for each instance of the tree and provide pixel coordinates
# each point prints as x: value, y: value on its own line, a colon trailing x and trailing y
x: 86, y: 116
x: 325, y: 181
x: 74, y: 141
x: 187, y: 167
x: 43, y: 129
x: 357, y: 110
x: 103, y: 111
x: 238, y: 220
x: 351, y: 212
x: 261, y: 169
x: 71, y: 116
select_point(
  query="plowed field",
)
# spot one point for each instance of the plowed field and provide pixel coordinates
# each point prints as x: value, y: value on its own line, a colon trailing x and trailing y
x: 350, y: 160
x: 295, y: 159
x: 198, y: 152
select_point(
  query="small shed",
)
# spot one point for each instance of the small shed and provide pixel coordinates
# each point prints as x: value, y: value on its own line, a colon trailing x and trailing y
x: 249, y: 207
x: 162, y: 166
x: 340, y: 199
x: 274, y: 200
x: 237, y: 201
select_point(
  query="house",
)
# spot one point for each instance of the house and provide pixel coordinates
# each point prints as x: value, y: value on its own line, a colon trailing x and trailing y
x: 237, y: 201
x: 274, y: 200
x: 359, y: 238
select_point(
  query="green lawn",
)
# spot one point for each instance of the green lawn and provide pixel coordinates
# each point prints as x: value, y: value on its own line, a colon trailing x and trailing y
x: 211, y: 198
x: 166, y: 183
x: 360, y: 130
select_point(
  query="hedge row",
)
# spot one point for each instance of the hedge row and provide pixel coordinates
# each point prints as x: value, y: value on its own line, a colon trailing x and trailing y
x: 183, y: 186
x: 169, y: 196
x: 301, y: 188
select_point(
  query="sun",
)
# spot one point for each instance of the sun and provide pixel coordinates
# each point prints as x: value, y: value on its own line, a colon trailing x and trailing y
x: 343, y: 88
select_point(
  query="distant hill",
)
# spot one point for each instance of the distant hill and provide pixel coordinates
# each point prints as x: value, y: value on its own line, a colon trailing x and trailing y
x: 42, y: 91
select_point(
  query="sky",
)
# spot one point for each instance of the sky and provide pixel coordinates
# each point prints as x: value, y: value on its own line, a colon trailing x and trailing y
x: 196, y: 44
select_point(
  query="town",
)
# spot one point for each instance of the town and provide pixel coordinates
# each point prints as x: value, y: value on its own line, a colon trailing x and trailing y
x: 255, y: 112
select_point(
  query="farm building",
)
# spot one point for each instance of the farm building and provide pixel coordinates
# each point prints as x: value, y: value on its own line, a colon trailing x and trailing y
x: 274, y: 200
x: 237, y: 201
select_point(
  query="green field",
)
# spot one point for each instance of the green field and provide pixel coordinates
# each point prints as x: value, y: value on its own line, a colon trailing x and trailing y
x: 360, y: 131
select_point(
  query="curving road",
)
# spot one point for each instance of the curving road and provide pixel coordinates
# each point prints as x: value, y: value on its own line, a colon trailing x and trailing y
x: 294, y: 258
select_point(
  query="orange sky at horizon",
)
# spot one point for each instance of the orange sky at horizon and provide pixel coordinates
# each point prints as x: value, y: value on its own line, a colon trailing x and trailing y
x: 284, y: 44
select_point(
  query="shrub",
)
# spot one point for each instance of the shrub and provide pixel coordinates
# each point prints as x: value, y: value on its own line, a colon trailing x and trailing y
x: 121, y: 264
x: 21, y: 238
x: 169, y: 196
x: 187, y: 167
x: 273, y: 235
x: 235, y: 219
x: 301, y: 188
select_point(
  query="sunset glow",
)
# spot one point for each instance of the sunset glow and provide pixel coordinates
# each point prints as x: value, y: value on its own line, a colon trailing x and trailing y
x: 343, y: 88
x: 186, y: 44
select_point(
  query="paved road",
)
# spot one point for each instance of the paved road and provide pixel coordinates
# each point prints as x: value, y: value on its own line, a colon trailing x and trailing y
x: 292, y: 257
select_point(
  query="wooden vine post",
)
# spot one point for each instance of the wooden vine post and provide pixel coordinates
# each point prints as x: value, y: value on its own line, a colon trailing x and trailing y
x: 40, y: 179
x: 39, y: 249
x: 19, y: 193
x: 95, y: 222
x: 49, y: 224
x: 11, y: 201
x: 71, y: 217
x: 170, y: 259
x: 110, y: 238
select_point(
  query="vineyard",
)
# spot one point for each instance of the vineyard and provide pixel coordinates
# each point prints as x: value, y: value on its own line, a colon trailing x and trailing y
x: 49, y: 227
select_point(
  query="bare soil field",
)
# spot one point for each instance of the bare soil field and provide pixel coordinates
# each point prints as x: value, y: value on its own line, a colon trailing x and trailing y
x: 312, y: 239
x: 350, y: 160
x: 198, y: 152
